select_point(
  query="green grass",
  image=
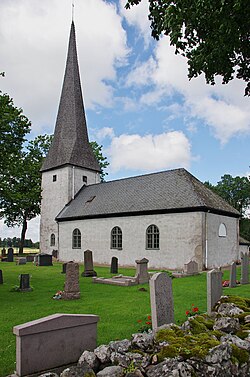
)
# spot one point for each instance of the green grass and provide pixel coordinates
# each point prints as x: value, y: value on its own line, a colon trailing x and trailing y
x: 119, y: 308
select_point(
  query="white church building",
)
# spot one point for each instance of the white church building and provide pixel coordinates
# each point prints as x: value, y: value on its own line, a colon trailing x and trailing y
x: 168, y: 217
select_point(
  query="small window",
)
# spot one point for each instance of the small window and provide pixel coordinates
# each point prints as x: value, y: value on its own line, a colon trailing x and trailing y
x: 52, y: 240
x: 152, y: 237
x: 54, y: 178
x: 116, y: 238
x: 222, y: 230
x: 84, y: 179
x: 76, y: 239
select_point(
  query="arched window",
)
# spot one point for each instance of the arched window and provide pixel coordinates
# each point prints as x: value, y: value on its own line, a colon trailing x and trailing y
x: 222, y: 230
x: 76, y: 239
x: 52, y: 240
x: 116, y: 238
x: 152, y: 237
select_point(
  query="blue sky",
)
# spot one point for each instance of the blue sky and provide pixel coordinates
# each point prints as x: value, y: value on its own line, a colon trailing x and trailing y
x: 139, y: 103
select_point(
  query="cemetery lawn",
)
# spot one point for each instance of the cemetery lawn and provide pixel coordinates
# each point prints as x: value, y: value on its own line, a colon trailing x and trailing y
x: 119, y: 308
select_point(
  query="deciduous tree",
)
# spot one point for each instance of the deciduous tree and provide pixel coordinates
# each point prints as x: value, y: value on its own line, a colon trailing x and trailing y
x: 214, y: 35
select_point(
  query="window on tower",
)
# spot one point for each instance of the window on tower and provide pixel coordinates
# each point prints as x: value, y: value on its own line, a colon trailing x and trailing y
x: 76, y: 239
x: 84, y: 179
x: 52, y: 240
x: 54, y: 177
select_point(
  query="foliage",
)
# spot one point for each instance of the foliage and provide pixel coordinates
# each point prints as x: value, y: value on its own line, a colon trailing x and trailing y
x: 193, y: 311
x: 14, y: 126
x: 245, y: 228
x: 212, y: 35
x: 235, y: 190
x: 97, y: 149
x: 145, y: 325
x: 21, y: 197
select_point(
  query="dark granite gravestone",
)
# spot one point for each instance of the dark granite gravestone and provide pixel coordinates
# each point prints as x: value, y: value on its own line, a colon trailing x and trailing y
x: 3, y: 252
x: 1, y: 277
x: 25, y: 283
x: 114, y: 265
x: 44, y: 260
x: 88, y: 264
x: 10, y: 255
x: 64, y: 266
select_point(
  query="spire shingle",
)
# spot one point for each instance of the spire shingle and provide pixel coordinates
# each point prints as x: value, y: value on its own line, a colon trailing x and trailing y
x: 70, y: 143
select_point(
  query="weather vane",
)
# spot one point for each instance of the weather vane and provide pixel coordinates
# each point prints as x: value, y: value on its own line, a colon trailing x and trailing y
x: 73, y: 9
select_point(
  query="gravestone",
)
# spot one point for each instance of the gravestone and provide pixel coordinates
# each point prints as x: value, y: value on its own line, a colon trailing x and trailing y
x: 21, y: 261
x: 114, y: 265
x: 55, y: 254
x: 64, y: 266
x: 244, y: 268
x: 25, y: 283
x: 214, y: 288
x: 88, y: 264
x: 71, y: 285
x: 3, y: 252
x: 161, y: 299
x: 142, y: 275
x: 191, y: 268
x: 44, y: 260
x: 232, y: 279
x: 1, y: 277
x: 30, y: 258
x: 10, y: 255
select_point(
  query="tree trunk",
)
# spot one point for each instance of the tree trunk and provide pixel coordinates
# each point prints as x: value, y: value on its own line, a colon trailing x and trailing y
x: 24, y: 228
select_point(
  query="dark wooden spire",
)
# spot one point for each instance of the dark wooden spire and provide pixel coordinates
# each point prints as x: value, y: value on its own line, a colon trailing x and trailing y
x: 70, y: 144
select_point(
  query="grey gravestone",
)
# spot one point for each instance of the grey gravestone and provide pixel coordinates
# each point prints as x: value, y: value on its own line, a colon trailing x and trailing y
x: 244, y: 268
x: 88, y: 264
x: 232, y: 279
x: 64, y: 266
x: 114, y: 265
x: 161, y: 299
x: 30, y: 258
x: 142, y: 275
x: 71, y: 285
x: 25, y: 283
x: 44, y: 260
x: 214, y: 288
x: 21, y: 261
x: 10, y: 255
x: 191, y: 268
x: 1, y: 277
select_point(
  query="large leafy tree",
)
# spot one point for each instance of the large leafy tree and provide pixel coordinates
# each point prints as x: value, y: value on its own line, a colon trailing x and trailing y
x: 22, y: 198
x: 236, y: 191
x: 103, y: 161
x: 214, y: 35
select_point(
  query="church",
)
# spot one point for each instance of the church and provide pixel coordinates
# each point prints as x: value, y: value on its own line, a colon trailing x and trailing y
x: 168, y: 217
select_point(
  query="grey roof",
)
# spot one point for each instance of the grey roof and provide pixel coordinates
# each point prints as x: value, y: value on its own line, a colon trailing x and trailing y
x: 243, y: 241
x: 70, y: 143
x: 169, y: 191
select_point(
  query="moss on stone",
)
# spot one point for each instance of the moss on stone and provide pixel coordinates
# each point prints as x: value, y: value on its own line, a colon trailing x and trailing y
x: 242, y: 317
x: 242, y: 303
x: 196, y: 327
x: 188, y: 346
x: 242, y: 356
x: 168, y: 335
x: 242, y: 334
x: 246, y: 326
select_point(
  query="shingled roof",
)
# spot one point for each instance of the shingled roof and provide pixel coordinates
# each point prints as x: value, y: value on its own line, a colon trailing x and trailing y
x: 70, y: 143
x: 165, y: 192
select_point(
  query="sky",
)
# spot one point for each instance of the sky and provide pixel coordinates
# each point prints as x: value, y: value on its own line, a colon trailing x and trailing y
x: 138, y: 100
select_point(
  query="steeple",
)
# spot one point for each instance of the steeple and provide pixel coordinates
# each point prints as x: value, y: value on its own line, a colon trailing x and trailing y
x: 70, y: 144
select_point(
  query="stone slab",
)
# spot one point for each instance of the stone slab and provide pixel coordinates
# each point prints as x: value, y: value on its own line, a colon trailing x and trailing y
x: 214, y: 288
x: 53, y: 341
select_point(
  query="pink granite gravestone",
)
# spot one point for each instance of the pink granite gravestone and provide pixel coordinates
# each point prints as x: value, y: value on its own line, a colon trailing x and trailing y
x: 53, y: 341
x: 71, y: 285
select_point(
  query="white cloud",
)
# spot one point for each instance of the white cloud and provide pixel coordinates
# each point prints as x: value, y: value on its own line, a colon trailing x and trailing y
x: 34, y: 37
x: 138, y: 16
x: 149, y: 152
x: 105, y: 132
x: 32, y: 231
x: 222, y: 107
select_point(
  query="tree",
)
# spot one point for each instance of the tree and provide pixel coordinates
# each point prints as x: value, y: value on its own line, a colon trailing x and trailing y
x: 103, y: 162
x: 21, y: 200
x: 14, y: 126
x: 214, y: 36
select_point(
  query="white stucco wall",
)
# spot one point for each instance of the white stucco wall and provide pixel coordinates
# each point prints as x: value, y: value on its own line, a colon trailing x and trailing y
x: 55, y: 195
x: 221, y: 251
x: 180, y: 239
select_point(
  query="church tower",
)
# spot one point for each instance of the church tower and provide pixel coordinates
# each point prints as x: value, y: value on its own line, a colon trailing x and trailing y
x: 70, y: 162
